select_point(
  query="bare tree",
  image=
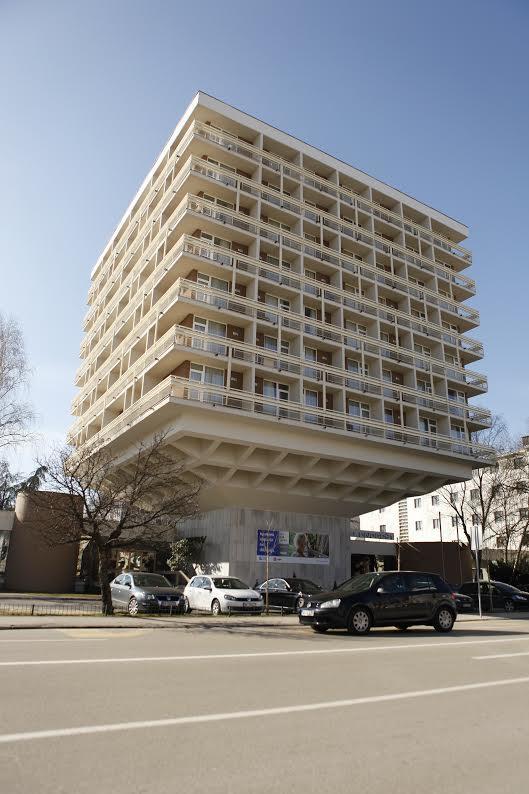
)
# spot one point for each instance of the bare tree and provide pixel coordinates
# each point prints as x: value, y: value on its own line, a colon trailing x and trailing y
x: 15, y: 414
x: 474, y: 502
x: 116, y: 506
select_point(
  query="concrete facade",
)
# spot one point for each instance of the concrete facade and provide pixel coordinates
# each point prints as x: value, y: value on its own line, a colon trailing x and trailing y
x: 32, y: 565
x: 231, y: 544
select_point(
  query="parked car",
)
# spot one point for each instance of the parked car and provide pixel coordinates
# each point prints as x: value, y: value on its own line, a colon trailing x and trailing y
x: 288, y: 594
x: 221, y: 594
x: 496, y: 595
x: 398, y: 598
x: 141, y: 591
x: 464, y: 603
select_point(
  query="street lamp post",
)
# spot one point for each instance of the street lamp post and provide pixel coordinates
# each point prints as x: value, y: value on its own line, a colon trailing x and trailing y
x: 477, y: 570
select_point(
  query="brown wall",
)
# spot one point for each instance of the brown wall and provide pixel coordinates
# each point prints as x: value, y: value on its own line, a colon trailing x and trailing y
x: 32, y: 565
x: 428, y: 557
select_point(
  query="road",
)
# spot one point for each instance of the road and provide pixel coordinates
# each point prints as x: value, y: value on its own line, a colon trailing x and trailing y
x: 222, y: 709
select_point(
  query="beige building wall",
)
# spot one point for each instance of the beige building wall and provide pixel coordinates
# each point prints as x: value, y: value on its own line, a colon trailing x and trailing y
x: 32, y: 565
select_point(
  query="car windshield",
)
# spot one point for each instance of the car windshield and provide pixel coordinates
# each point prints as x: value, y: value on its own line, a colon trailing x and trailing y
x: 305, y: 585
x: 508, y: 588
x: 150, y: 580
x: 358, y: 583
x: 229, y: 583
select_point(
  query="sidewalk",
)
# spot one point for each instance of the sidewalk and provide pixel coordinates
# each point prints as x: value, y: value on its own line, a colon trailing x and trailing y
x: 178, y: 621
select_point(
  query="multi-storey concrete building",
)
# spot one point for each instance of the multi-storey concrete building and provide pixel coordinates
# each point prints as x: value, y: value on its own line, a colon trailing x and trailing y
x: 299, y: 328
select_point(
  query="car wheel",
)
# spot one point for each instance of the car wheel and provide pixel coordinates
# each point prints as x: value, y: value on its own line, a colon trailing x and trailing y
x: 187, y: 607
x: 444, y: 620
x: 509, y: 605
x: 320, y: 629
x: 299, y: 603
x: 359, y: 621
x: 402, y: 626
x: 133, y: 607
x: 215, y: 607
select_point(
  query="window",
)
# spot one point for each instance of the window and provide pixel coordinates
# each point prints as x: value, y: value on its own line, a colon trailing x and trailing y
x: 310, y: 354
x: 454, y: 497
x: 355, y: 327
x: 358, y: 409
x: 382, y: 528
x: 311, y: 398
x: 420, y: 581
x: 524, y: 512
x: 417, y: 502
x: 455, y: 521
x: 270, y: 343
x: 275, y: 390
x: 352, y: 365
x: 436, y: 523
x: 427, y: 425
x: 418, y: 526
x: 210, y: 281
x: 424, y: 386
x: 474, y: 495
x: 201, y: 374
x: 498, y: 515
x: 457, y: 431
x: 394, y: 583
x: 475, y: 519
x: 435, y: 500
x: 285, y: 347
x: 381, y: 509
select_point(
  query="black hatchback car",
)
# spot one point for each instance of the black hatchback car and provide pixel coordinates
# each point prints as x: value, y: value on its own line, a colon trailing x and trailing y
x: 496, y: 595
x: 289, y: 594
x: 398, y: 598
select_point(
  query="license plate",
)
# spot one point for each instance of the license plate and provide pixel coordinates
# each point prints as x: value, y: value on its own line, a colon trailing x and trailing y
x: 307, y: 613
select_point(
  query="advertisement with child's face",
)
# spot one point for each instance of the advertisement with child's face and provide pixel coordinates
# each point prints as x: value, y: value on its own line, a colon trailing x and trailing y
x: 285, y: 546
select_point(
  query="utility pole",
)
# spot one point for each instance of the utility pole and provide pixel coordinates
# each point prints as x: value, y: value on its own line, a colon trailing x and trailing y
x: 442, y: 549
x: 477, y: 570
x: 459, y: 550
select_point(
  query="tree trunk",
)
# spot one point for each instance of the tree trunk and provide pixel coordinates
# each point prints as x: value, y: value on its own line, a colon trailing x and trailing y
x: 104, y: 566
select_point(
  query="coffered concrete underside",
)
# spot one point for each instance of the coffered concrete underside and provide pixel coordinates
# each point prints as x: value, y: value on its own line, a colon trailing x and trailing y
x: 264, y: 463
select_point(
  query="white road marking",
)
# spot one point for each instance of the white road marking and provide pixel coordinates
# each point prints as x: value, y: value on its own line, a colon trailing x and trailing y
x: 53, y: 639
x: 260, y: 654
x: 84, y: 730
x: 502, y: 655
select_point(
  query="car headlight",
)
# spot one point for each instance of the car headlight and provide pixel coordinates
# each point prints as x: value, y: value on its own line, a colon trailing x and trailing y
x: 519, y: 598
x: 230, y: 598
x: 145, y: 596
x: 260, y: 597
x: 334, y: 604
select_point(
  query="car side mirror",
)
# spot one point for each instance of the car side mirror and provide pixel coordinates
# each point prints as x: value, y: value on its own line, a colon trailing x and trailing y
x: 208, y: 589
x: 380, y: 589
x: 127, y: 584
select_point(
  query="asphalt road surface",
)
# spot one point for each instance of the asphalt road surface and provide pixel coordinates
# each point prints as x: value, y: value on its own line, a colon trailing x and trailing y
x: 260, y: 710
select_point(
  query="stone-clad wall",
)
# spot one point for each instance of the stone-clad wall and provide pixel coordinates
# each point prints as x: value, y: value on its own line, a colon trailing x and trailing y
x: 231, y: 542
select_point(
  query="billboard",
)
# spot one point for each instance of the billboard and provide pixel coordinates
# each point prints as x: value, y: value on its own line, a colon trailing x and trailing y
x: 286, y: 546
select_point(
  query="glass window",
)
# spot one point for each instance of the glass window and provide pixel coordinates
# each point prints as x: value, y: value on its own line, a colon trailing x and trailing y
x: 394, y: 583
x: 417, y: 502
x: 418, y: 526
x: 382, y: 528
x: 420, y: 581
x: 436, y: 523
x: 150, y: 580
x: 435, y: 500
x: 229, y: 583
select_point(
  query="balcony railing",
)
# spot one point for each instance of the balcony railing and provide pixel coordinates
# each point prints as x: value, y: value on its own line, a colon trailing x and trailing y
x: 231, y: 143
x: 205, y: 250
x: 253, y: 355
x: 183, y: 390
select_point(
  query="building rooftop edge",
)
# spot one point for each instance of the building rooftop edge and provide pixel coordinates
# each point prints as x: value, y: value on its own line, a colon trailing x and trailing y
x: 206, y: 100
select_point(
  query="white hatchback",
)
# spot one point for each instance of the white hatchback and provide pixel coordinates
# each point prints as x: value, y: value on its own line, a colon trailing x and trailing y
x: 221, y: 594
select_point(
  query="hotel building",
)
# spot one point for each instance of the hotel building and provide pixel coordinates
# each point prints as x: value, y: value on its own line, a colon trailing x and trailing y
x: 299, y: 329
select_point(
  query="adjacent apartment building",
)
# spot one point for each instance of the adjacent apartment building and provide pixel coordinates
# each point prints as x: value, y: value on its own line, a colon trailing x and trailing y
x: 299, y: 329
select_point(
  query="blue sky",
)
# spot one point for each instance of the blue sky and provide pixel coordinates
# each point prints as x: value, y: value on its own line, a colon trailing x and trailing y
x: 430, y: 97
